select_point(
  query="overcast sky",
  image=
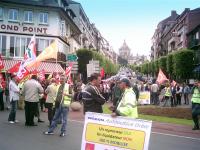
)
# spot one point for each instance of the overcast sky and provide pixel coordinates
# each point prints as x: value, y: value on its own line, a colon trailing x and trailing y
x: 132, y: 20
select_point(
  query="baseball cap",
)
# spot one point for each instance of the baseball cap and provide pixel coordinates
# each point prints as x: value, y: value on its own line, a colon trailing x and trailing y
x: 126, y: 81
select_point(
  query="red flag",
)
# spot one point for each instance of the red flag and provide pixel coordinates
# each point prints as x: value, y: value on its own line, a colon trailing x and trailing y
x: 41, y: 75
x: 68, y: 69
x: 161, y: 77
x: 22, y: 72
x: 102, y: 73
x: 1, y: 63
x: 69, y: 80
x: 15, y: 68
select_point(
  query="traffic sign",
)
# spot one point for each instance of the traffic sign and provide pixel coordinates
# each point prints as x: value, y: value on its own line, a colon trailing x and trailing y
x: 72, y: 57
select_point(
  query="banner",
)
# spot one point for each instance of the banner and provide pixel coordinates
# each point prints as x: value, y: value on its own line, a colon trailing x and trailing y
x: 22, y: 72
x: 30, y: 52
x: 102, y: 132
x: 68, y: 69
x: 144, y: 98
x: 161, y: 77
x: 15, y: 68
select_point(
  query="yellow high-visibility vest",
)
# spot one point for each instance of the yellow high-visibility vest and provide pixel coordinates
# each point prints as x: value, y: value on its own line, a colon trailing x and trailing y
x: 196, y: 96
x: 168, y: 92
x: 128, y: 104
x: 66, y: 99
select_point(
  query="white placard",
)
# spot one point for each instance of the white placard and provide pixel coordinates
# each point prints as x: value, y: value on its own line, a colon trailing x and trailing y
x: 102, y: 132
x: 144, y: 97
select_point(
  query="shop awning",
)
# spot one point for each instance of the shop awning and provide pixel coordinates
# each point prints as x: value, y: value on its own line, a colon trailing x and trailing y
x: 49, y: 67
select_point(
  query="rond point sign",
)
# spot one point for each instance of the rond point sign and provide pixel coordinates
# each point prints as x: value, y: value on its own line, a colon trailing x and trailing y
x: 17, y: 28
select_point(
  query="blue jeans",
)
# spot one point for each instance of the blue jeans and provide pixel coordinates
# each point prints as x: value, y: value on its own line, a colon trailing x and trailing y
x: 61, y: 111
x: 13, y: 110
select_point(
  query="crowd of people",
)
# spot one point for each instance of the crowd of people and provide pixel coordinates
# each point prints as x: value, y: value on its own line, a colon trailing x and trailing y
x: 55, y: 97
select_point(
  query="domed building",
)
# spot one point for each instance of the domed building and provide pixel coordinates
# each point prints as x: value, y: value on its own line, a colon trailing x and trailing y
x: 125, y: 51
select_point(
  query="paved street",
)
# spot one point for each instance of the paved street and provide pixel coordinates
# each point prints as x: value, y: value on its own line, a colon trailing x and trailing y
x: 19, y: 137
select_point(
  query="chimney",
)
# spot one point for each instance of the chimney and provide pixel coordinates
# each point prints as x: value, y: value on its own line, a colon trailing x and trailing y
x: 173, y: 13
x: 187, y: 9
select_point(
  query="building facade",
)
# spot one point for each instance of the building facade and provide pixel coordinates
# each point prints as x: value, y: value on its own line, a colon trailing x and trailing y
x: 48, y: 20
x: 177, y: 35
x: 159, y: 47
x: 194, y: 43
x: 125, y: 51
x: 91, y: 37
x: 83, y: 23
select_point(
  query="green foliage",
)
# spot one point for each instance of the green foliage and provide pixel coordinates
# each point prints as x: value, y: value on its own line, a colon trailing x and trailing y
x: 151, y: 68
x: 133, y: 67
x: 156, y: 66
x: 122, y: 61
x: 85, y: 55
x: 162, y: 63
x: 170, y: 67
x: 108, y: 65
x: 183, y: 64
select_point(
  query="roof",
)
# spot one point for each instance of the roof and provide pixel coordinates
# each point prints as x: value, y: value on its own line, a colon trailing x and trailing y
x: 73, y: 2
x: 49, y: 67
x: 124, y: 46
x: 34, y: 2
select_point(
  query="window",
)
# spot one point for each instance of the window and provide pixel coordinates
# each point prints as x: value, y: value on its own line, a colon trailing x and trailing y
x: 197, y: 36
x: 1, y: 13
x: 18, y: 46
x: 13, y: 15
x: 43, y: 18
x: 62, y: 28
x: 28, y: 16
x: 3, y: 45
x: 12, y: 42
x: 41, y: 45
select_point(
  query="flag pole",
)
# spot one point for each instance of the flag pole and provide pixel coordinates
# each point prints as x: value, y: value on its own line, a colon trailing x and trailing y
x: 57, y: 57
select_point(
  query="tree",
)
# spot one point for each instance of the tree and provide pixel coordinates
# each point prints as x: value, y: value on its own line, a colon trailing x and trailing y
x: 84, y: 56
x: 183, y: 64
x: 162, y: 63
x: 170, y: 65
x: 156, y: 66
x: 122, y: 61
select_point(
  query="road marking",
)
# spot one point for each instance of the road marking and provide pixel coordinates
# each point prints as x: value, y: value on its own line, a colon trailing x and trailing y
x: 82, y: 122
x: 186, y: 137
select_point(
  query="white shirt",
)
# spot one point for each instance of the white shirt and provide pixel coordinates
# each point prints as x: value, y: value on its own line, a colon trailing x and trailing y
x: 154, y: 88
x: 13, y: 91
x: 31, y: 90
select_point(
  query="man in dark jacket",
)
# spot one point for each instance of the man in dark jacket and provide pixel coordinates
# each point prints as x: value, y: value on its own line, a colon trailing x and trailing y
x: 92, y: 99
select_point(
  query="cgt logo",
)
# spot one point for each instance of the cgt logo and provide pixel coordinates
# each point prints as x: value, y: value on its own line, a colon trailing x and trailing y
x: 89, y: 146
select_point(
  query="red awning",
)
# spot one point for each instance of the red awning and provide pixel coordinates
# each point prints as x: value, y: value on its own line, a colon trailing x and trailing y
x: 49, y: 67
